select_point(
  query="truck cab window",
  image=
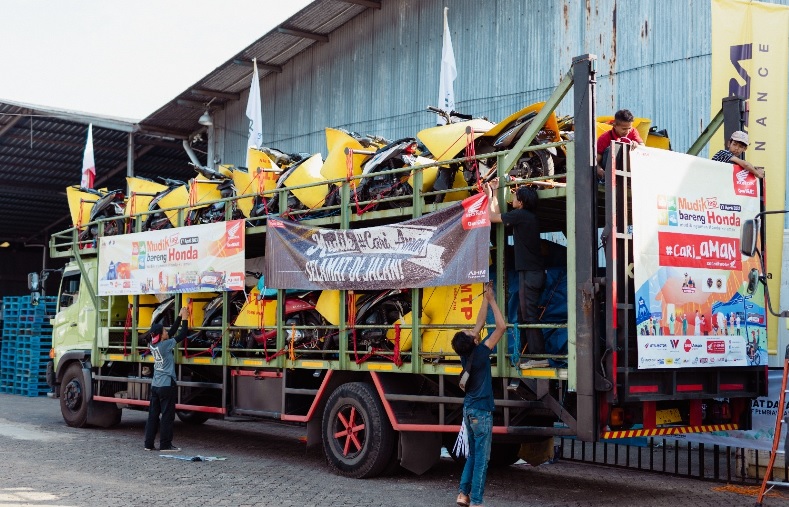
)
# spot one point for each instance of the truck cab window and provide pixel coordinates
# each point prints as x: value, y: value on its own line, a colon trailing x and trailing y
x: 69, y: 290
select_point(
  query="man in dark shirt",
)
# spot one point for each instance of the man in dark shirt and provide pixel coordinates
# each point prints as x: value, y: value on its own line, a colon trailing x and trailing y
x: 528, y: 260
x: 163, y: 386
x: 478, y: 405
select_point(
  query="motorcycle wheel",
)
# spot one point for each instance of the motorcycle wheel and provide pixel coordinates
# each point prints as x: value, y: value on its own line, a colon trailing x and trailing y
x: 534, y: 164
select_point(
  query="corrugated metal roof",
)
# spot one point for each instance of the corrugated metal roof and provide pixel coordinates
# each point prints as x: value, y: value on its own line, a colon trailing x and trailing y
x: 41, y: 152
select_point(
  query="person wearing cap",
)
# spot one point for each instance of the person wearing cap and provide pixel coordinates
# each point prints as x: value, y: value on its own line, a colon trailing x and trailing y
x: 735, y: 147
x: 163, y: 386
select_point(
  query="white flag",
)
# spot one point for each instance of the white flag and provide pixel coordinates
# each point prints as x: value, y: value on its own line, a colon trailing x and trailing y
x: 446, y: 92
x: 88, y: 162
x: 254, y: 114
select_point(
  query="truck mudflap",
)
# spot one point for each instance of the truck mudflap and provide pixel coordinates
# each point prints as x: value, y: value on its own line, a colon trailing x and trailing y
x: 673, y: 430
x: 51, y: 374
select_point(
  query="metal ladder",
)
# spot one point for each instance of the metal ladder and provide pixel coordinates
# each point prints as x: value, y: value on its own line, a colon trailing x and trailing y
x: 767, y: 483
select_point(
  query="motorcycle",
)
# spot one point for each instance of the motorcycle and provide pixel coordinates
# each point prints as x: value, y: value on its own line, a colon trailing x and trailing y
x: 254, y: 316
x: 218, y: 185
x: 287, y: 163
x: 154, y: 197
x: 381, y: 309
x: 299, y: 312
x: 450, y: 141
x: 302, y: 169
x: 375, y: 186
x: 109, y: 205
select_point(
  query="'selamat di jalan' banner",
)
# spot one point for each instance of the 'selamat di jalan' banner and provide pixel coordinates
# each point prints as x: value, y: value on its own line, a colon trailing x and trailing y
x: 693, y: 309
x: 446, y: 247
x: 200, y: 258
x: 750, y: 56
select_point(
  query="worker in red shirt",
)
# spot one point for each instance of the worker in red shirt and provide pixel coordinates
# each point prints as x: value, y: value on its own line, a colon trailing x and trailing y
x: 622, y: 131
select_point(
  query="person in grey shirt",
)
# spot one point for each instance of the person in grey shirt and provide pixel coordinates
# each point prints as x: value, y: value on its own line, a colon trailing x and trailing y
x: 163, y: 387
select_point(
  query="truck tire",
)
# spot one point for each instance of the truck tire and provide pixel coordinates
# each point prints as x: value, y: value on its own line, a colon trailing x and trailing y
x: 192, y: 418
x: 357, y: 438
x: 73, y: 405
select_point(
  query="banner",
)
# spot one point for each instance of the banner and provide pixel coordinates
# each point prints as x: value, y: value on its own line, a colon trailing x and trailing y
x: 447, y: 247
x: 692, y: 306
x: 749, y: 59
x: 200, y: 258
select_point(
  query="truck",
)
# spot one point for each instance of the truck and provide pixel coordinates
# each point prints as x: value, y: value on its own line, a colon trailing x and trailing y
x: 378, y: 389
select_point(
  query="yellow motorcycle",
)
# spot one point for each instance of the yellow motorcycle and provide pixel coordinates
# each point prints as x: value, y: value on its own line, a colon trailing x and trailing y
x: 463, y: 136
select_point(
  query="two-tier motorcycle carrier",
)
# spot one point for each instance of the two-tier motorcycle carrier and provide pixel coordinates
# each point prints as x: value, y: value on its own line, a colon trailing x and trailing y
x: 373, y: 408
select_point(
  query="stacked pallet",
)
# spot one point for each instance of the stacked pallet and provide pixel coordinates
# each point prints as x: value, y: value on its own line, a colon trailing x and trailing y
x: 27, y: 338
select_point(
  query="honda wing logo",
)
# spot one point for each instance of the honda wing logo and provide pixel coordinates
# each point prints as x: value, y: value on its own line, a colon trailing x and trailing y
x: 233, y: 236
x: 475, y: 212
x: 744, y: 182
x: 474, y: 209
x: 232, y: 232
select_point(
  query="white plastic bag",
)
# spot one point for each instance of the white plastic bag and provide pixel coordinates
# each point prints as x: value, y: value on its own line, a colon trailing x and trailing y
x: 461, y: 444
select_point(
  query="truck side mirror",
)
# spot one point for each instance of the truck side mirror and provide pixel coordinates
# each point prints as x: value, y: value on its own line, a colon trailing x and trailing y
x: 32, y: 281
x: 753, y: 279
x: 748, y: 235
x: 35, y: 298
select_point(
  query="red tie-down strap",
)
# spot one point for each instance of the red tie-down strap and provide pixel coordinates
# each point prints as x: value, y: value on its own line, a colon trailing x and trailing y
x: 261, y: 189
x: 132, y: 211
x: 192, y: 199
x: 471, y: 151
x: 397, y: 359
x: 79, y: 214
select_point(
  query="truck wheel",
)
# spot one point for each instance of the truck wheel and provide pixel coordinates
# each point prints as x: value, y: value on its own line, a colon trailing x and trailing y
x: 357, y: 437
x: 73, y: 404
x: 190, y: 417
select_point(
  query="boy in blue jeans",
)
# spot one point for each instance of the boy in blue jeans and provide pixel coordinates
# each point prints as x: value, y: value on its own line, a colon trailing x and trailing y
x: 478, y: 403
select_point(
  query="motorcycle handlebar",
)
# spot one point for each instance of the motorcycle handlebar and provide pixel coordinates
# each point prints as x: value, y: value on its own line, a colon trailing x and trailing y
x: 450, y: 114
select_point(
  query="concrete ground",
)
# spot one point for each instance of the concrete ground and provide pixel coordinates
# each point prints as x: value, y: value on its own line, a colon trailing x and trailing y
x: 43, y: 462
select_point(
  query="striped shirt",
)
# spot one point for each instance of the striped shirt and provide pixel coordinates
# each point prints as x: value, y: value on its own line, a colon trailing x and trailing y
x: 723, y: 156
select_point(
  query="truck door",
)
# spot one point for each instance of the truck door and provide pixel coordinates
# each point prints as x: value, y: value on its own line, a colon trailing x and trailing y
x: 75, y: 315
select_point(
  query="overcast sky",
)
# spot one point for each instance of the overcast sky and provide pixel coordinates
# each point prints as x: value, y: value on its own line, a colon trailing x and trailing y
x: 123, y: 58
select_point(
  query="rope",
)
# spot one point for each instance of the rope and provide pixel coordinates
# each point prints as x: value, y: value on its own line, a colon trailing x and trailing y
x: 397, y: 359
x: 132, y: 211
x: 192, y: 199
x: 261, y: 189
x: 471, y: 151
x: 79, y: 216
